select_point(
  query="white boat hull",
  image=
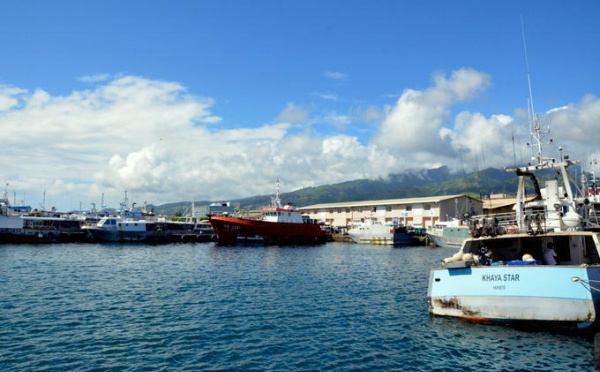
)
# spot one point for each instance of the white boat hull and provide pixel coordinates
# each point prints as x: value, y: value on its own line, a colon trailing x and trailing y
x: 440, y: 241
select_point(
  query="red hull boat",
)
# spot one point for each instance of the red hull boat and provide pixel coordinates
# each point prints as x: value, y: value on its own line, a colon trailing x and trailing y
x: 277, y: 225
x: 231, y: 230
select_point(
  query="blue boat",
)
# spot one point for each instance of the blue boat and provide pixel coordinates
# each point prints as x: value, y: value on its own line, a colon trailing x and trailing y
x: 538, y: 266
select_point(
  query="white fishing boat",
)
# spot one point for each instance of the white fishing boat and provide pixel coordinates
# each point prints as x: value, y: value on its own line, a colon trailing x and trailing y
x: 372, y: 231
x: 537, y: 266
x: 21, y: 224
x: 448, y: 234
x: 122, y: 229
x: 127, y: 225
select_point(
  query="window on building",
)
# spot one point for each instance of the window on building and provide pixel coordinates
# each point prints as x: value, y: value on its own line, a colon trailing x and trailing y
x: 427, y: 207
x: 388, y: 208
x: 409, y: 208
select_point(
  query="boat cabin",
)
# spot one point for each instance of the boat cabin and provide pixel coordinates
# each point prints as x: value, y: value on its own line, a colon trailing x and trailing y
x: 575, y: 248
x: 286, y: 214
x: 118, y: 223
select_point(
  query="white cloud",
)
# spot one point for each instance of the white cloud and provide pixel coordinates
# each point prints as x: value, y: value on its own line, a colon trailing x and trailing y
x: 415, y: 124
x: 293, y: 113
x: 9, y: 97
x: 335, y: 75
x: 327, y: 96
x: 159, y: 143
x: 95, y: 78
x: 340, y: 122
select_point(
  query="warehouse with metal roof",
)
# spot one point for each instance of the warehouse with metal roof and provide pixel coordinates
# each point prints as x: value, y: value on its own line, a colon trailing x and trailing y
x: 420, y: 212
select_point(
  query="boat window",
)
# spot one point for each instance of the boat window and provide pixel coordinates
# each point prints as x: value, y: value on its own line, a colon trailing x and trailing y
x: 562, y: 247
x: 591, y: 251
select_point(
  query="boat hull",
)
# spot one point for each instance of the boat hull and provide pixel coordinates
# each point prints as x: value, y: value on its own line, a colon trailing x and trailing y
x: 555, y: 296
x: 231, y: 230
x: 449, y: 237
x: 117, y: 236
x: 382, y: 239
x: 24, y: 237
x: 444, y: 242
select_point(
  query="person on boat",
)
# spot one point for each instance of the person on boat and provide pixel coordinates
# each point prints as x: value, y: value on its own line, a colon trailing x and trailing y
x: 549, y: 254
x: 485, y: 256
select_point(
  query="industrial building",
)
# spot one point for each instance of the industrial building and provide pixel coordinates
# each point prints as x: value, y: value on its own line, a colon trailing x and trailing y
x: 418, y: 212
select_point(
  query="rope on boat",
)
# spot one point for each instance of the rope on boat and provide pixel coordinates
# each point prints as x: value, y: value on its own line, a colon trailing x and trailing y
x: 586, y: 283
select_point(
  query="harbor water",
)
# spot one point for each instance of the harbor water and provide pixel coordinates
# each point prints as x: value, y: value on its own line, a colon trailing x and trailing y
x: 202, y: 307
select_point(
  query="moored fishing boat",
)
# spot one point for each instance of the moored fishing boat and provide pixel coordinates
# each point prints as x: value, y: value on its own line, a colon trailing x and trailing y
x: 122, y: 229
x: 537, y: 266
x: 448, y: 234
x: 379, y: 233
x: 21, y: 225
x: 277, y: 225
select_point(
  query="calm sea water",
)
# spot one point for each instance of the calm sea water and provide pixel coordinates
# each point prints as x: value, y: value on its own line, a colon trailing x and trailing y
x: 196, y: 307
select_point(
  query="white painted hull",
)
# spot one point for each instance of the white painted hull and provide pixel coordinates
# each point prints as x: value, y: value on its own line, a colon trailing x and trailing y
x: 440, y: 241
x: 378, y: 239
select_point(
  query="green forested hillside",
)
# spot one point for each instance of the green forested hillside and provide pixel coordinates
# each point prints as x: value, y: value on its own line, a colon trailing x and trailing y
x: 427, y: 183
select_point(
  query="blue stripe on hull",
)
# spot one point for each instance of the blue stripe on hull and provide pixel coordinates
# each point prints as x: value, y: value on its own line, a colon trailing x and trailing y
x: 554, y: 294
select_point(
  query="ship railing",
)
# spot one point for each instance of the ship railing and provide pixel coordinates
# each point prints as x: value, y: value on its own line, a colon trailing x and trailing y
x: 530, y: 222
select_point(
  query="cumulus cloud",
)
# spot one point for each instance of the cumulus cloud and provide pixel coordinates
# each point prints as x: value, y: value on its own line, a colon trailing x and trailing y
x: 415, y: 124
x: 159, y: 143
x: 9, y: 97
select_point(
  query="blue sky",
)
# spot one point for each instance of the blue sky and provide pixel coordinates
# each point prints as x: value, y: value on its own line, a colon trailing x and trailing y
x: 181, y: 100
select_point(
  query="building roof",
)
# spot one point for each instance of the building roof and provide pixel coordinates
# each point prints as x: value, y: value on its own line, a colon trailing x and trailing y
x: 498, y: 203
x: 370, y: 203
x: 502, y: 202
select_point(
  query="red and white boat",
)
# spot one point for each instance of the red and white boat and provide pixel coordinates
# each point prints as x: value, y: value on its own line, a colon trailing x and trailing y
x: 276, y: 225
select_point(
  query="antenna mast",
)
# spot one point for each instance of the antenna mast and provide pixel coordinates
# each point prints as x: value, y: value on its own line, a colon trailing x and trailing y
x: 275, y: 200
x: 534, y: 123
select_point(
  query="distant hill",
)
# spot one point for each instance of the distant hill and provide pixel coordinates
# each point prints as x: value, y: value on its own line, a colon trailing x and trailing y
x: 432, y: 182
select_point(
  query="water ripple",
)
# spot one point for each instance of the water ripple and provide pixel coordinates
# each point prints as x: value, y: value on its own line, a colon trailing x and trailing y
x: 203, y: 307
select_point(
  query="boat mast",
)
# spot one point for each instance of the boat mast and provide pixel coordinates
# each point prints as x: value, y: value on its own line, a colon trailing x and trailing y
x: 275, y: 201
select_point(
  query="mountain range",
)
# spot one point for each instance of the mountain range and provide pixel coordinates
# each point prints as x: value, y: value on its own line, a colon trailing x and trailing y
x: 439, y: 181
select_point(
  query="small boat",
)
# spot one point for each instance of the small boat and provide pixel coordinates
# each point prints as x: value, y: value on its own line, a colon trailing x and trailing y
x: 372, y: 231
x: 191, y: 232
x: 277, y: 224
x: 538, y: 266
x: 123, y: 229
x: 22, y: 225
x: 448, y: 234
